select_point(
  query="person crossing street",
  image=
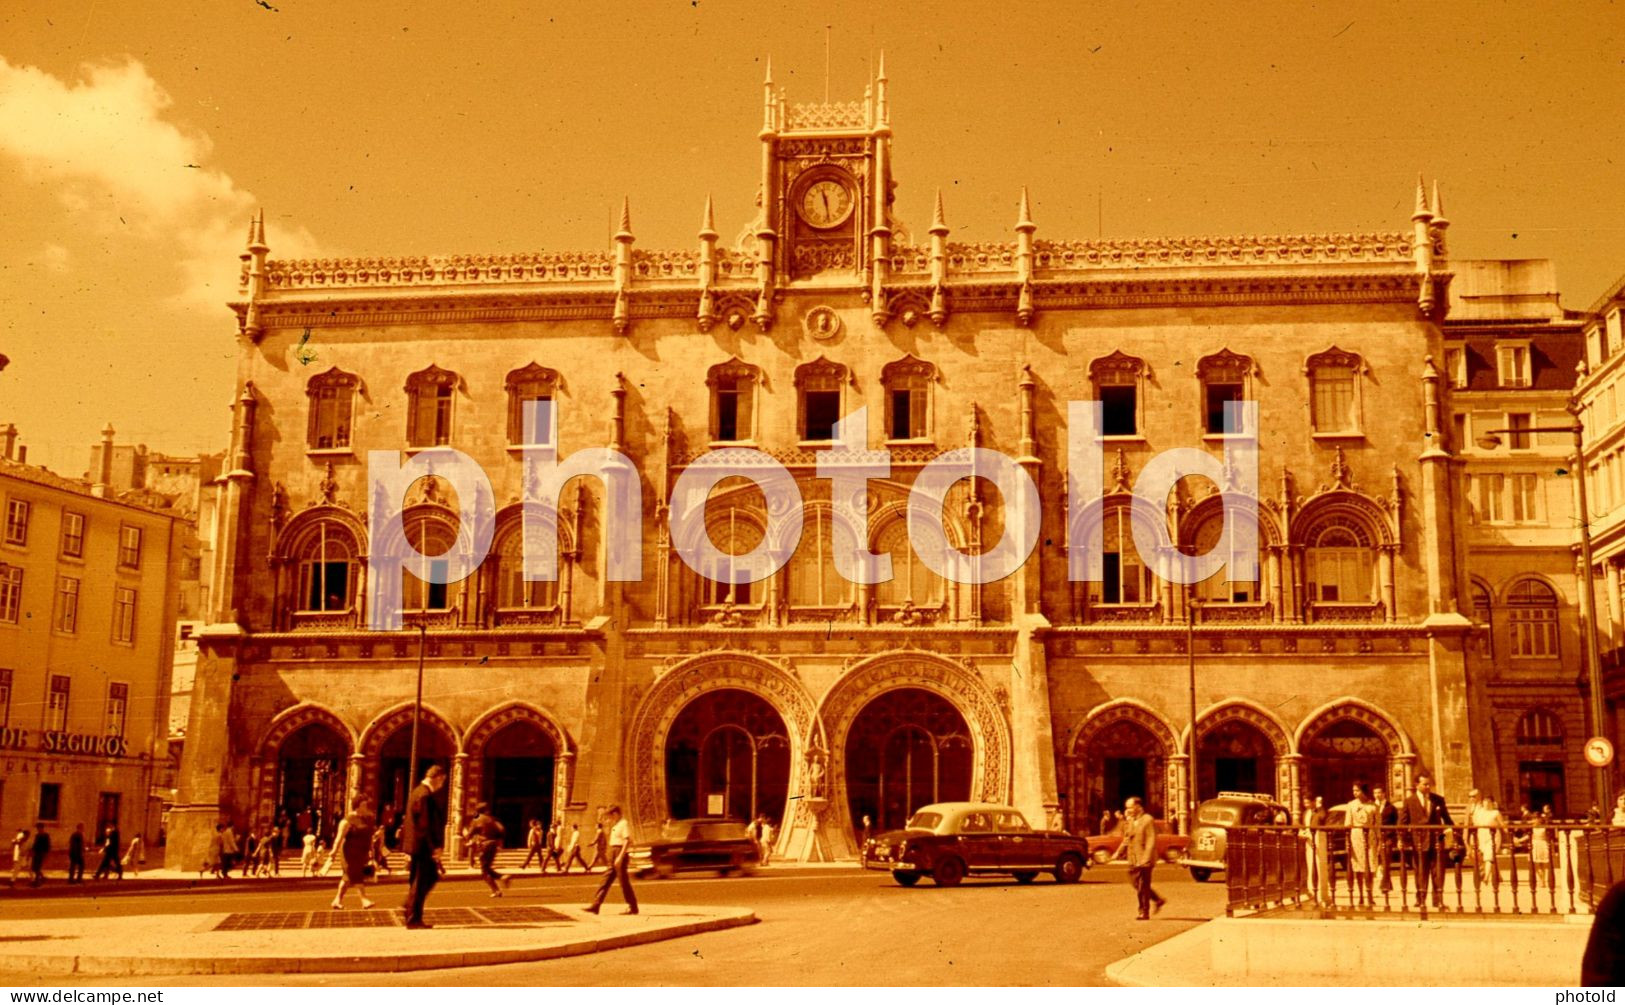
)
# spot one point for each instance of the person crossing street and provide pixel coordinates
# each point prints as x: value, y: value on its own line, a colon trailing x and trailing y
x: 620, y: 863
x: 1140, y: 847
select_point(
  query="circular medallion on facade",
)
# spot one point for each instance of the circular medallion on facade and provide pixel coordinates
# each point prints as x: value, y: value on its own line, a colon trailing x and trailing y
x: 822, y: 323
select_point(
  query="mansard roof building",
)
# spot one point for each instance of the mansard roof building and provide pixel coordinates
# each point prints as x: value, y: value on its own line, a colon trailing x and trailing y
x: 802, y: 696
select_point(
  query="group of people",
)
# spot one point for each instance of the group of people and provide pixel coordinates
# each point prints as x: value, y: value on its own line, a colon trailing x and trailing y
x: 1421, y: 829
x: 423, y: 830
x: 115, y: 855
x: 560, y: 848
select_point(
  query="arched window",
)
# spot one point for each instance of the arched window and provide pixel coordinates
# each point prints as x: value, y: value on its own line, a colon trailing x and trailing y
x: 813, y: 579
x: 326, y: 560
x: 1219, y: 588
x: 733, y: 401
x: 733, y: 531
x: 1116, y: 379
x: 908, y: 398
x: 1225, y: 378
x: 912, y: 580
x: 535, y: 386
x: 1342, y: 565
x: 428, y: 415
x: 1334, y: 392
x: 1533, y: 611
x: 1539, y: 728
x: 433, y: 538
x: 819, y: 388
x: 1125, y: 578
x: 513, y: 592
x: 332, y: 402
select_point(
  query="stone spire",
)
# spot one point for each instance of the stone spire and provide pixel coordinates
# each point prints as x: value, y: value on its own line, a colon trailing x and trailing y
x: 708, y: 268
x: 1024, y: 259
x: 254, y: 267
x: 882, y: 112
x: 621, y: 317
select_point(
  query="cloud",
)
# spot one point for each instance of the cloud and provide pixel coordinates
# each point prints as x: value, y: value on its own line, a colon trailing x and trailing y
x: 105, y: 146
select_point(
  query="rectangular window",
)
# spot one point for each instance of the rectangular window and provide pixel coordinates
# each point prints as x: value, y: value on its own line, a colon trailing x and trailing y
x: 536, y: 416
x: 124, y: 615
x: 107, y: 815
x: 431, y: 419
x: 67, y: 604
x: 1525, y: 498
x: 11, y: 593
x: 1117, y: 405
x: 1460, y: 444
x: 5, y: 697
x: 73, y: 535
x: 118, y: 704
x: 1534, y: 633
x: 733, y: 410
x: 1491, y: 489
x: 1333, y: 400
x: 1513, y: 364
x: 327, y: 586
x: 823, y: 411
x: 1218, y: 396
x: 56, y: 707
x: 1455, y: 365
x: 1518, y: 438
x: 50, y: 802
x: 17, y: 522
x: 904, y: 404
x: 129, y: 547
x: 331, y: 420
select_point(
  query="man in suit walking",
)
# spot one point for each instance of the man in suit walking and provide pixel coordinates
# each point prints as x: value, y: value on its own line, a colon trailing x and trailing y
x: 1427, y: 809
x: 1140, y: 846
x: 422, y: 836
x: 1387, y: 817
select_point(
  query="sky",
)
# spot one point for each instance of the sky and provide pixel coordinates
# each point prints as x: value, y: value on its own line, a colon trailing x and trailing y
x: 136, y: 140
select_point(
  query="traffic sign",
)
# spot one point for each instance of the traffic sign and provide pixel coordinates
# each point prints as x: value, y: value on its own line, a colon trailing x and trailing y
x: 1599, y: 752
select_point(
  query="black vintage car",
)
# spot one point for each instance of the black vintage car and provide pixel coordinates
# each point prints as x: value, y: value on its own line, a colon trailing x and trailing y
x: 716, y: 844
x: 948, y: 841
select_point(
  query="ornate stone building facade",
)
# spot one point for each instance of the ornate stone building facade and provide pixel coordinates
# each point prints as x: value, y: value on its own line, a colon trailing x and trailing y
x: 804, y: 697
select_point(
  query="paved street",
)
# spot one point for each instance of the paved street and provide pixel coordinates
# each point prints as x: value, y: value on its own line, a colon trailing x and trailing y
x: 819, y: 926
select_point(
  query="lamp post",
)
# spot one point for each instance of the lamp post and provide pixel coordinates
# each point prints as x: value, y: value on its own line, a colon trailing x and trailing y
x: 417, y: 708
x: 1597, y: 711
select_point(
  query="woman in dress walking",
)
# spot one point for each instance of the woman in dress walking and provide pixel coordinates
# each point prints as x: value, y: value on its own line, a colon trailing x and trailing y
x: 1361, y: 815
x: 352, y: 846
x: 1490, y: 828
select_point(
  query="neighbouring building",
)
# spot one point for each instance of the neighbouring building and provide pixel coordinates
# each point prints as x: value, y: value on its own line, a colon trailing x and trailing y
x: 802, y: 696
x: 1602, y: 400
x: 87, y: 602
x: 1512, y: 356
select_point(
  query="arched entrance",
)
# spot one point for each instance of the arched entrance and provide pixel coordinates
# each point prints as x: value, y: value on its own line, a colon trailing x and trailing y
x: 1239, y: 750
x: 516, y: 778
x: 1123, y: 758
x: 1341, y: 753
x: 395, y: 778
x: 310, y: 780
x: 727, y: 754
x: 906, y: 748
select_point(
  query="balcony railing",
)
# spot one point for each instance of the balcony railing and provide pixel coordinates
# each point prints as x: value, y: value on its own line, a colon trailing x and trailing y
x: 1516, y: 869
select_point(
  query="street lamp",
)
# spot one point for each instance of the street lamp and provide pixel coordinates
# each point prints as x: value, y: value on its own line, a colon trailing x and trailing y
x: 422, y: 625
x: 1489, y: 440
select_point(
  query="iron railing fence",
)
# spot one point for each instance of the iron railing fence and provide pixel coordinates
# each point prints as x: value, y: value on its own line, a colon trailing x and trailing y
x: 1517, y: 868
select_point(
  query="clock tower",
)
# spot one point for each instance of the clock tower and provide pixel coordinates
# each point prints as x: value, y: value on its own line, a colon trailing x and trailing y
x: 827, y: 190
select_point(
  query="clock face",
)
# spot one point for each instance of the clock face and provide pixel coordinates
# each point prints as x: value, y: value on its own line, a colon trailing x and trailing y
x: 826, y: 204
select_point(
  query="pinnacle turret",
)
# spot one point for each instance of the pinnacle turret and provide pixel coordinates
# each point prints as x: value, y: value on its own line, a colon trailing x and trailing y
x: 708, y: 226
x: 939, y: 223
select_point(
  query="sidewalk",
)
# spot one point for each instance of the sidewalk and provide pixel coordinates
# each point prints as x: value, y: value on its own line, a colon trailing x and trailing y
x: 351, y: 941
x: 158, y: 880
x: 1475, y: 952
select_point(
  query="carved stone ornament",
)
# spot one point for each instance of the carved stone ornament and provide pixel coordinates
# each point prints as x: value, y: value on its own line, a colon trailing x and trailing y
x: 822, y: 323
x: 329, y: 487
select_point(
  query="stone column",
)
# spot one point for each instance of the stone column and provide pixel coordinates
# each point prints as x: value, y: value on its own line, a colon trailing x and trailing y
x: 456, y: 810
x: 1179, y: 787
x: 352, y: 779
x: 1290, y: 792
x: 1385, y: 581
